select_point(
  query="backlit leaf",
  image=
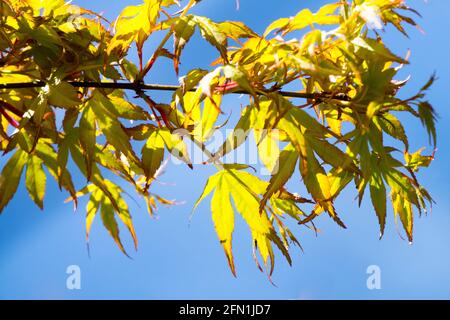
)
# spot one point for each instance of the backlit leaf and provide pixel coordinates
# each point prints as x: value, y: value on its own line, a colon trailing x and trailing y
x: 286, y: 167
x: 153, y: 154
x: 223, y: 218
x: 378, y: 196
x: 35, y: 180
x: 10, y: 177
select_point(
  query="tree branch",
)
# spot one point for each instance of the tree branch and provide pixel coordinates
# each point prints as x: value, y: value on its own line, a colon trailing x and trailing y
x: 164, y: 87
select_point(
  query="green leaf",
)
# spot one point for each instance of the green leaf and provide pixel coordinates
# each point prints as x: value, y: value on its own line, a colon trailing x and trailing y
x: 416, y: 160
x: 288, y: 206
x: 339, y: 179
x: 183, y: 31
x: 129, y: 69
x: 153, y: 155
x: 378, y: 196
x: 428, y: 117
x: 122, y: 210
x: 314, y: 176
x: 110, y: 223
x: 60, y: 174
x: 88, y: 137
x: 10, y: 177
x: 212, y: 33
x: 63, y: 95
x: 402, y: 185
x: 127, y: 110
x: 403, y: 209
x: 36, y: 110
x: 36, y: 180
x: 109, y: 204
x: 393, y: 127
x: 298, y: 118
x: 429, y: 83
x: 332, y: 154
x: 110, y: 125
x: 379, y: 48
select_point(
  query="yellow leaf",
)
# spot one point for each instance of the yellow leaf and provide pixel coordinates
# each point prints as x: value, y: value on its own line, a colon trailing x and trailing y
x: 286, y: 166
x: 268, y: 150
x: 110, y: 223
x: 153, y: 155
x: 403, y: 208
x: 91, y: 210
x: 223, y: 218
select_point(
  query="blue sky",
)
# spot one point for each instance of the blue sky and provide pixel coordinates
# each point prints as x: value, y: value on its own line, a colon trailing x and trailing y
x: 178, y: 260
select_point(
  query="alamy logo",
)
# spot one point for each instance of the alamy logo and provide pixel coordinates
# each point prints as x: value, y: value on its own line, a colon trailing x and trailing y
x: 73, y: 281
x: 374, y: 279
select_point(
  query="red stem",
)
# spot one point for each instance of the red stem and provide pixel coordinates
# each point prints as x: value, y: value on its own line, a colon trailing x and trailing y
x: 11, y: 121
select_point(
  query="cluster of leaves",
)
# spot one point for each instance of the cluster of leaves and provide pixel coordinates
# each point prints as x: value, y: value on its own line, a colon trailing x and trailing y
x: 339, y: 138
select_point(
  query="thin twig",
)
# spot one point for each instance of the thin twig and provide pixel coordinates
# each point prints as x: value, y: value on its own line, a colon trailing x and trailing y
x: 163, y: 87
